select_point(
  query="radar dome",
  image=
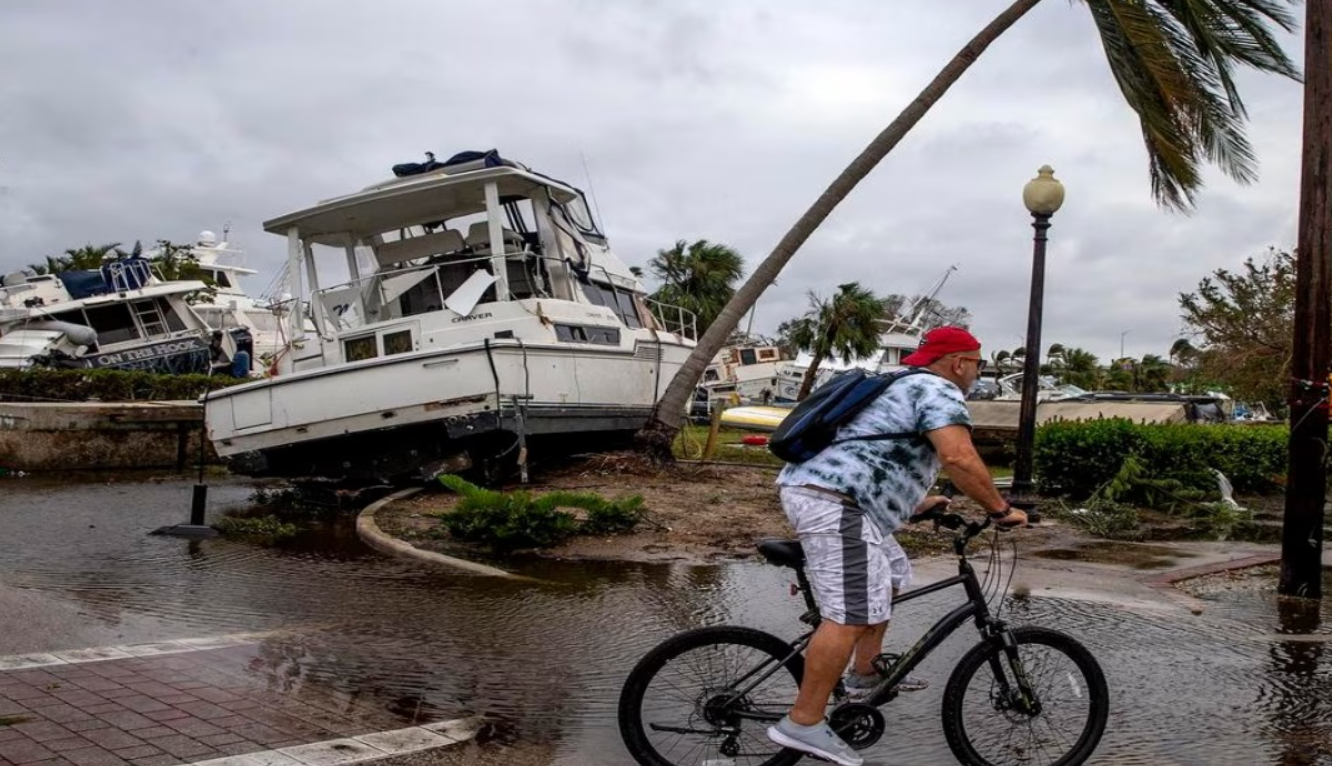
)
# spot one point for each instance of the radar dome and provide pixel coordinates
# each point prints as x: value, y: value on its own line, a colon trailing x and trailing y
x: 207, y: 238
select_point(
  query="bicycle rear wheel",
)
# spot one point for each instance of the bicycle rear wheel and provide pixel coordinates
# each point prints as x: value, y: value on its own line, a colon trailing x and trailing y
x: 679, y: 705
x: 983, y: 717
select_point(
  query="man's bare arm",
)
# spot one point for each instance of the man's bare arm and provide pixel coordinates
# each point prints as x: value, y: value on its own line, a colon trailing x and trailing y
x: 964, y: 466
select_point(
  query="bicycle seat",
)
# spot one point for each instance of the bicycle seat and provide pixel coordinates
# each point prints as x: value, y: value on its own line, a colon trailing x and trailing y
x: 783, y: 553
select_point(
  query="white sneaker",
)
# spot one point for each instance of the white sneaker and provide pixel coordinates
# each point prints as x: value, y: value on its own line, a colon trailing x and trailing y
x: 818, y: 740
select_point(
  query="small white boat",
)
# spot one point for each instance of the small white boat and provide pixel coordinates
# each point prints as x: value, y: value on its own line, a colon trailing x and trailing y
x: 121, y: 316
x: 231, y: 307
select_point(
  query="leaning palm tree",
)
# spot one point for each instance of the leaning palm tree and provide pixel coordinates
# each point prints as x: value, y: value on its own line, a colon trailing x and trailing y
x: 845, y: 326
x: 1174, y: 63
x: 699, y: 277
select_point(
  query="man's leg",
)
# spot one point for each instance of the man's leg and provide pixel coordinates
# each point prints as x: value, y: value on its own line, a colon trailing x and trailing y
x: 825, y: 659
x: 868, y: 647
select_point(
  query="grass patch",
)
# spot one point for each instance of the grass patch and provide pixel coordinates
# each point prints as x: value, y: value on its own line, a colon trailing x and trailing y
x: 691, y: 440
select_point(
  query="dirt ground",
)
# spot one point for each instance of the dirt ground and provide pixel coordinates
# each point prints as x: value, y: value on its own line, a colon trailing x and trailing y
x: 695, y: 512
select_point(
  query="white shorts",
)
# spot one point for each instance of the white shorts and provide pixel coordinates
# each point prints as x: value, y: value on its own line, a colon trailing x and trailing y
x: 853, y: 568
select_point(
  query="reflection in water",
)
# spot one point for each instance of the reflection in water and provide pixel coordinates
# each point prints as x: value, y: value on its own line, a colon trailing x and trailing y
x: 1300, y: 702
x: 546, y: 662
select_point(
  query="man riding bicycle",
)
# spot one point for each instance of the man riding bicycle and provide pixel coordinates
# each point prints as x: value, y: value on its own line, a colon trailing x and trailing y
x: 846, y: 502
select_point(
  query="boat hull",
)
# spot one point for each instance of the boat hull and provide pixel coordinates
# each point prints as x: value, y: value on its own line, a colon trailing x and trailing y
x: 422, y: 414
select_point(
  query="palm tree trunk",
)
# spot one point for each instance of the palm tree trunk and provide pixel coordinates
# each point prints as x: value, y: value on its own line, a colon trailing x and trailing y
x: 807, y: 384
x: 658, y: 433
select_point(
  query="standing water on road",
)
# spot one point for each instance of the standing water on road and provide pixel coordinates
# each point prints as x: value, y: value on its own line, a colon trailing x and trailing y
x: 1246, y: 682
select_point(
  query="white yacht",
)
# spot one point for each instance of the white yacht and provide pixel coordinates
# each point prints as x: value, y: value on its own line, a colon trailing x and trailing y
x: 482, y: 314
x: 121, y: 316
x: 231, y: 307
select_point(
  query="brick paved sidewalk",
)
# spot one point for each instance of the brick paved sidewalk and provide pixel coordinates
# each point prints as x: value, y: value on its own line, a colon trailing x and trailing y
x: 168, y: 709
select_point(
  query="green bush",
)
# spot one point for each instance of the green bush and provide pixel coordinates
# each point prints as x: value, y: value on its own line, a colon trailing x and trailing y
x: 508, y: 521
x: 1076, y: 458
x: 44, y: 385
x: 268, y: 527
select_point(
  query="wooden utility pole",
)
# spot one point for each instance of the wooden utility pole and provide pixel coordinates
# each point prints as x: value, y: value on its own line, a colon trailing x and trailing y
x: 1306, y: 481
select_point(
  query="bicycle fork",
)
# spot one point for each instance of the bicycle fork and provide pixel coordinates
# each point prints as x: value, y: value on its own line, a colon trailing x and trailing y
x: 1014, y: 688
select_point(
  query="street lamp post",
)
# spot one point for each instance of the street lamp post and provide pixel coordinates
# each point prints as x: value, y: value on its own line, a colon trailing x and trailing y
x: 1121, y: 343
x: 1042, y: 195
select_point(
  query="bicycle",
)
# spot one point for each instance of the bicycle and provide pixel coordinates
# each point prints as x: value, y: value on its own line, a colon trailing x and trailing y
x: 705, y: 697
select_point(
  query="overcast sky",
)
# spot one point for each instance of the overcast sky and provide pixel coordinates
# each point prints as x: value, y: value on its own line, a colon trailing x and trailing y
x: 697, y: 118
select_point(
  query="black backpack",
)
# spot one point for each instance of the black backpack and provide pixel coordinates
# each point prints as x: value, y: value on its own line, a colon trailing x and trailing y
x: 811, y: 427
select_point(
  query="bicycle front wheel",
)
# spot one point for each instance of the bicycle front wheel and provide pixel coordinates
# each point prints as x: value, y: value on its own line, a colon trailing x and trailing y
x: 706, y: 698
x: 988, y: 723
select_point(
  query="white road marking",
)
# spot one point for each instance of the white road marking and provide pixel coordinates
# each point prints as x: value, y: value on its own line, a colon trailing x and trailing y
x: 366, y: 747
x: 124, y: 651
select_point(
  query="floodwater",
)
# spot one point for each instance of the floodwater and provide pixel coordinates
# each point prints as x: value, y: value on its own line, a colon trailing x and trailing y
x: 1247, y: 682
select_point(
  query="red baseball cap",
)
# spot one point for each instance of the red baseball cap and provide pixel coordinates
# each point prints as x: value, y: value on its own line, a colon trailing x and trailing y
x: 940, y: 342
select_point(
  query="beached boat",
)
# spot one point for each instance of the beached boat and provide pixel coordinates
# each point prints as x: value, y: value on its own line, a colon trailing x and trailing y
x: 230, y: 307
x: 121, y: 317
x: 483, y: 315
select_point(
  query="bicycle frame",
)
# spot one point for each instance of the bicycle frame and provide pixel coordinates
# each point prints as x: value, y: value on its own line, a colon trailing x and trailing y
x: 976, y: 608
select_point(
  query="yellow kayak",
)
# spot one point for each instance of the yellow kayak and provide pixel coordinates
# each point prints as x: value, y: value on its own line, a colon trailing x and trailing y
x: 754, y: 418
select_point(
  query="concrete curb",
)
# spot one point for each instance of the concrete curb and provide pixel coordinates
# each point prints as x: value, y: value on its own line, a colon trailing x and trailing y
x: 1166, y: 582
x: 368, y: 530
x: 1174, y: 576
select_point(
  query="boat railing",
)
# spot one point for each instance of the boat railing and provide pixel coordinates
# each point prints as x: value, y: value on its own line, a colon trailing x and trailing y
x: 674, y: 319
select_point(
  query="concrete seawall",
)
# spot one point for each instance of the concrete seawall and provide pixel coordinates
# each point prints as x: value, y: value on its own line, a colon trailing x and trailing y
x: 89, y: 436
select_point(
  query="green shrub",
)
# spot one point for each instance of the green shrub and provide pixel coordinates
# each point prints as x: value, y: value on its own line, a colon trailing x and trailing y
x: 508, y: 521
x: 269, y: 527
x: 1102, y: 518
x: 43, y: 385
x: 1076, y: 458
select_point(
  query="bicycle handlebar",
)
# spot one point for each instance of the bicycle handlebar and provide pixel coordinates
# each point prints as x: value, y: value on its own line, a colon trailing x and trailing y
x: 954, y: 521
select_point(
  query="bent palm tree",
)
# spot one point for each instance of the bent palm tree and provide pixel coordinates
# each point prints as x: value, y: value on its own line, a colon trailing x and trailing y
x: 1174, y: 62
x: 845, y: 326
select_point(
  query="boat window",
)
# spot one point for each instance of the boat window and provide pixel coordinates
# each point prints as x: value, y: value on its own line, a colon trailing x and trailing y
x: 572, y: 333
x: 767, y: 354
x: 397, y: 342
x: 113, y: 323
x: 220, y: 277
x: 619, y: 301
x: 595, y: 293
x: 748, y: 356
x: 357, y: 349
x: 626, y: 309
x: 173, y: 319
x: 581, y: 217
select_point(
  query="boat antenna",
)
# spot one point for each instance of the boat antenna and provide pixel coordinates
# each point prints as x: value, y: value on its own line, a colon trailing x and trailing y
x: 592, y: 190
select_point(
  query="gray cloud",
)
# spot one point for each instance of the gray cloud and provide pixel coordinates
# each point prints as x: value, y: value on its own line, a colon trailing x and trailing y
x: 696, y: 119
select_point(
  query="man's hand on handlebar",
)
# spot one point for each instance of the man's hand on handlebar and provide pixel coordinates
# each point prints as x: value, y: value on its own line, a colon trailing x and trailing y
x: 932, y: 504
x: 934, y: 507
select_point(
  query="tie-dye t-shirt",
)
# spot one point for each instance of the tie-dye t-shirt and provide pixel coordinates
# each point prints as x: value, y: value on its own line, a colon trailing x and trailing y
x: 888, y: 478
